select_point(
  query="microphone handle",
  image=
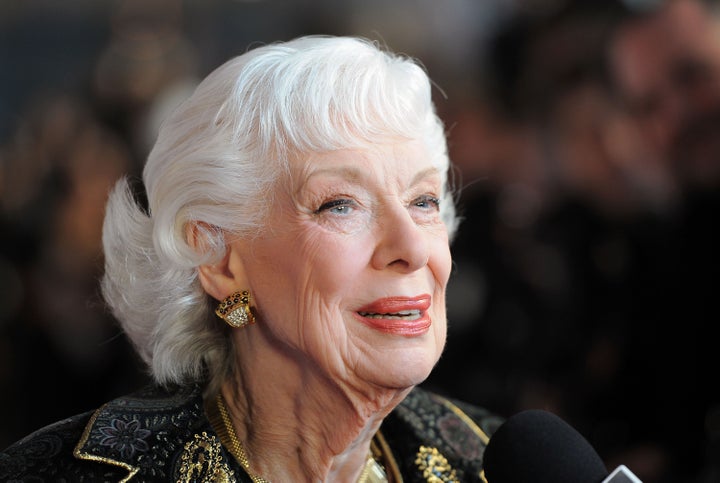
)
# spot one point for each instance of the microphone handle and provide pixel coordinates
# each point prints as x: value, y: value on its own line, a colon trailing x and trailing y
x: 621, y: 475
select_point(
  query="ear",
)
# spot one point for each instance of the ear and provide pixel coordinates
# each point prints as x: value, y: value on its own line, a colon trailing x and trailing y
x: 224, y: 277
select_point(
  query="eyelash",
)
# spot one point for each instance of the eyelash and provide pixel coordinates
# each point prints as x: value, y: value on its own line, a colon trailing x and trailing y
x: 348, y: 203
x: 336, y: 203
x: 427, y: 199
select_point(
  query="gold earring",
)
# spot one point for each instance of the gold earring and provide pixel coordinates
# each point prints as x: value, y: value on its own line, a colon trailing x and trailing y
x: 235, y: 310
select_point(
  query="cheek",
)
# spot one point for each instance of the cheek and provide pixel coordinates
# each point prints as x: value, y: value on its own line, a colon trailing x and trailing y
x: 320, y: 274
x: 440, y: 261
x: 333, y: 262
x: 308, y: 269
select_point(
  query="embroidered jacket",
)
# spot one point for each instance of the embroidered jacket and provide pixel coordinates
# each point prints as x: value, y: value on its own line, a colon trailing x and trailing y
x: 164, y: 435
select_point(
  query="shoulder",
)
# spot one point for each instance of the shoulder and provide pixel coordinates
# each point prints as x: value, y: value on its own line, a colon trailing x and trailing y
x: 151, y: 435
x: 45, y: 454
x: 429, y: 433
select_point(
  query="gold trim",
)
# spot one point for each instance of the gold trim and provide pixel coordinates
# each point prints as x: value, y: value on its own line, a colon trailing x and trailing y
x: 91, y: 457
x: 482, y: 476
x: 379, y: 445
x: 466, y: 419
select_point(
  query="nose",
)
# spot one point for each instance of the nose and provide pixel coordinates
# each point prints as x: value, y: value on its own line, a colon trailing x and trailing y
x: 401, y: 243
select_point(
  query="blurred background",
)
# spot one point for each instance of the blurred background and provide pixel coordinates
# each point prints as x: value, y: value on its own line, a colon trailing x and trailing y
x: 586, y: 141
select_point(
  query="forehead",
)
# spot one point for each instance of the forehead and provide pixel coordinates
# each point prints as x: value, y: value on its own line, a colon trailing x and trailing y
x: 382, y: 161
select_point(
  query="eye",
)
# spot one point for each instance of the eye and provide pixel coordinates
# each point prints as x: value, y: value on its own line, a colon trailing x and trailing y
x: 340, y: 206
x: 427, y: 202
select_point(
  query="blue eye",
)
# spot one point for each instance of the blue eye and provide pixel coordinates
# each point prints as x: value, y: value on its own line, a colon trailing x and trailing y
x: 339, y: 206
x: 427, y: 202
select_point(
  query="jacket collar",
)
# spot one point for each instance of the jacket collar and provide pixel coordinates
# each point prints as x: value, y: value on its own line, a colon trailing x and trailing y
x: 144, y: 433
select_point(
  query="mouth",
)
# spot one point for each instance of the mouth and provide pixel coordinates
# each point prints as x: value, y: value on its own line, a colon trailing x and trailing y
x: 406, y: 316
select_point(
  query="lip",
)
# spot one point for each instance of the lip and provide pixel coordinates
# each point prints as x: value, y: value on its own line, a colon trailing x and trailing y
x: 406, y: 316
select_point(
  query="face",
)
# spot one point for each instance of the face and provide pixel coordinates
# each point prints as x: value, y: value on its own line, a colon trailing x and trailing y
x: 350, y: 273
x: 667, y: 67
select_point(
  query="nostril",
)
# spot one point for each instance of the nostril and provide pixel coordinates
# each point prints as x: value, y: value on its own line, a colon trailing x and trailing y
x: 399, y: 263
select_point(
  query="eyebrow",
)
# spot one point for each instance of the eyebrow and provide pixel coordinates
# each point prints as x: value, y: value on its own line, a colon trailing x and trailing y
x: 425, y: 173
x: 356, y: 174
x: 352, y: 172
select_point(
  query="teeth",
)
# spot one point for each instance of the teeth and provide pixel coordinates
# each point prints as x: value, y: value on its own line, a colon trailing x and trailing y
x: 405, y: 314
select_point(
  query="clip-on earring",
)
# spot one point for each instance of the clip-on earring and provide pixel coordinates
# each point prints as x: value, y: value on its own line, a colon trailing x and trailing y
x: 235, y: 310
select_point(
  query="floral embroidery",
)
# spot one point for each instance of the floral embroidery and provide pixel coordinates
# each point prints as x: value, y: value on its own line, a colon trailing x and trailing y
x: 460, y: 437
x: 125, y: 438
x: 152, y: 464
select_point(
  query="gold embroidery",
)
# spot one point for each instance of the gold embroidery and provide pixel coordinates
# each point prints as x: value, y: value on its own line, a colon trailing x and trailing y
x: 202, y: 461
x: 434, y: 466
x: 77, y: 452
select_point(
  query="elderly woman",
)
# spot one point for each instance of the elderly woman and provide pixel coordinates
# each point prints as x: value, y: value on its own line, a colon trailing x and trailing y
x: 286, y: 286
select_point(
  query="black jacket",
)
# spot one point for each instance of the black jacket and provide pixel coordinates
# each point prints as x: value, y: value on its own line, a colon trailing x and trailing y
x: 164, y: 435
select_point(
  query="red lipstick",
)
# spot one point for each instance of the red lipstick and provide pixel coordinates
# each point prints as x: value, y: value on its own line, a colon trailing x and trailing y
x: 407, y: 316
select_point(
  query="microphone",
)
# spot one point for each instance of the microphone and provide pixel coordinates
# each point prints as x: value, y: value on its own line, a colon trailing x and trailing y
x: 539, y: 447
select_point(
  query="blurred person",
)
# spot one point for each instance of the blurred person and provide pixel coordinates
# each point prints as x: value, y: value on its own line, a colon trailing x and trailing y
x: 285, y: 286
x: 61, y: 164
x: 148, y: 60
x: 664, y: 63
x: 569, y: 273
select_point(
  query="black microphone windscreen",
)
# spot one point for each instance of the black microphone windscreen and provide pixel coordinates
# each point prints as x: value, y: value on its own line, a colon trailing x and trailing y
x: 538, y: 446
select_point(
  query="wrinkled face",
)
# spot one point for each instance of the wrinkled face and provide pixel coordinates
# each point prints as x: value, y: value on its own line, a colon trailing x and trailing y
x: 350, y: 274
x: 668, y: 69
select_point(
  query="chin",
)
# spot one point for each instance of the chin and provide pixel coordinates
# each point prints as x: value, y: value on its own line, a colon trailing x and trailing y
x: 402, y: 369
x: 395, y: 361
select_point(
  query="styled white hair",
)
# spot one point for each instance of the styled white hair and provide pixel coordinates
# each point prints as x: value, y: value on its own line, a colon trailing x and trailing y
x: 216, y: 161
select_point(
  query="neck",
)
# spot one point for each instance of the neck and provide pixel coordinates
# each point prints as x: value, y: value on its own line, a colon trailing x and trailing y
x: 297, y: 424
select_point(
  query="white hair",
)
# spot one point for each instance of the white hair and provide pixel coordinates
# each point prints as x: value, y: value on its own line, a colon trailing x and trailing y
x: 216, y: 161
